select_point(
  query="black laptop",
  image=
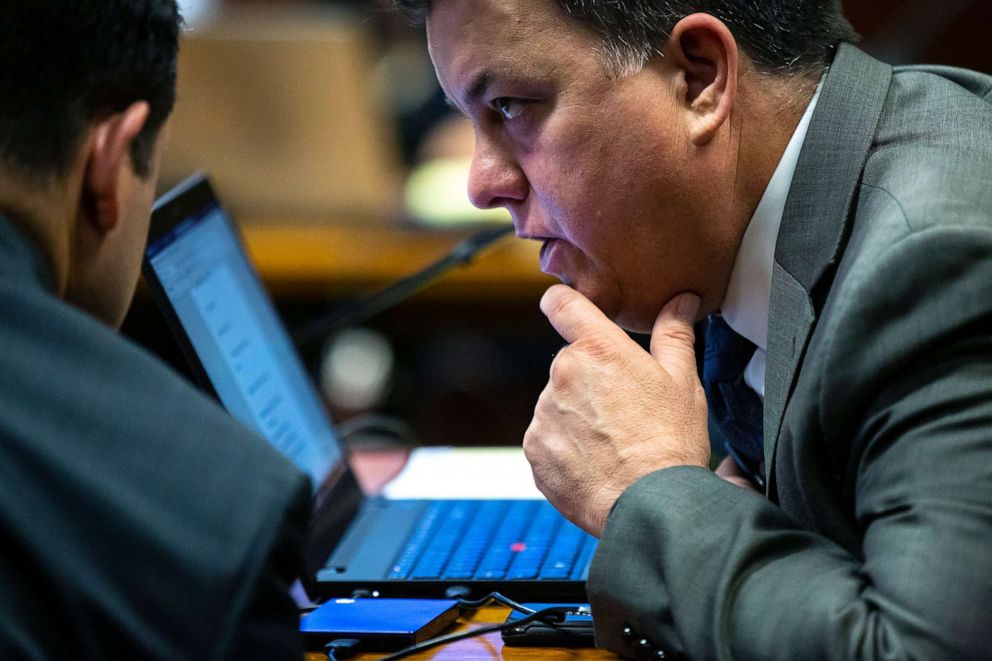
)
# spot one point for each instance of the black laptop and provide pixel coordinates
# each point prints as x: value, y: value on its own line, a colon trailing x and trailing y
x: 239, y: 351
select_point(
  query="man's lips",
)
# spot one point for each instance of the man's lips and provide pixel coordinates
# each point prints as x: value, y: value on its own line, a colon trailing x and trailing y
x: 550, y: 254
x: 548, y: 262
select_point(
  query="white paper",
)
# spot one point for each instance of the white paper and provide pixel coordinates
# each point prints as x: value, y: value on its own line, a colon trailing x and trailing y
x: 464, y: 472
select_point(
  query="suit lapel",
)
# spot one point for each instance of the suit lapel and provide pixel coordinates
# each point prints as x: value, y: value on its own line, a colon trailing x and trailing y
x: 815, y: 224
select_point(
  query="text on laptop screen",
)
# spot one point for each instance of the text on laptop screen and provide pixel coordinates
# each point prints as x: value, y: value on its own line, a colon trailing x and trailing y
x: 240, y: 341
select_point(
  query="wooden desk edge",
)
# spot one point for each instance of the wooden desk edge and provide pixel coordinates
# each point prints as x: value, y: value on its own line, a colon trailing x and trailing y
x: 297, y: 259
x: 487, y: 646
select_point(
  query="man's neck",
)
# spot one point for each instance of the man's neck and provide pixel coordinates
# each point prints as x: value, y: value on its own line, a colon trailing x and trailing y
x: 43, y: 213
x: 773, y: 106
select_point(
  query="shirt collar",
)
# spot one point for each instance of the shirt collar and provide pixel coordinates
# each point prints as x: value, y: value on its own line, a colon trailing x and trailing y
x: 745, y: 306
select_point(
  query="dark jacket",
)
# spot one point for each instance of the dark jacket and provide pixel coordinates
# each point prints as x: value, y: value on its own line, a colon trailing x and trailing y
x: 137, y: 519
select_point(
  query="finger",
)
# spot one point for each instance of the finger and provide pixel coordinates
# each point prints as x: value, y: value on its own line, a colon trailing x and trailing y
x: 743, y: 483
x: 728, y: 468
x: 729, y: 471
x: 673, y: 339
x: 573, y: 315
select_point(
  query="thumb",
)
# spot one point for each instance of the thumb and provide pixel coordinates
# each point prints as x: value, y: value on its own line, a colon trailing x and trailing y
x: 574, y: 316
x: 672, y: 338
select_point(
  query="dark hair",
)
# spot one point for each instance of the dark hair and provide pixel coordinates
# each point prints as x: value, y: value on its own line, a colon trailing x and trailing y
x: 785, y: 36
x: 65, y: 63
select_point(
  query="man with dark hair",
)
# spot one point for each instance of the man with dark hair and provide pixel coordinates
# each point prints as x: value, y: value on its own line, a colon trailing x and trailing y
x: 137, y: 518
x: 828, y: 218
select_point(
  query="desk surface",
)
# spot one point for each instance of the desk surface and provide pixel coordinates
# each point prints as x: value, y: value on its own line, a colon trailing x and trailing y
x: 488, y: 646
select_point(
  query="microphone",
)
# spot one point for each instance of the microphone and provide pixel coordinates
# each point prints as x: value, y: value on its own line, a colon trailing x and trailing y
x: 369, y: 306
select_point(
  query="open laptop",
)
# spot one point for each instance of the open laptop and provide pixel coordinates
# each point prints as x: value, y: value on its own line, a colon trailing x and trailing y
x: 239, y: 350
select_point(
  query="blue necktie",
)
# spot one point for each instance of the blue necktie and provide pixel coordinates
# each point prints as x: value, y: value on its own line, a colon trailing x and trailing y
x: 735, y: 409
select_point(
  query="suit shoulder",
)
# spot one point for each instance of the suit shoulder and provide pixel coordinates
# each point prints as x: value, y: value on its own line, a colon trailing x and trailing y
x: 973, y: 82
x: 932, y: 154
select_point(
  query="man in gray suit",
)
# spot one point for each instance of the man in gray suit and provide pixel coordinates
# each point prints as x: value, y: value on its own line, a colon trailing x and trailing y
x: 137, y: 519
x: 832, y: 217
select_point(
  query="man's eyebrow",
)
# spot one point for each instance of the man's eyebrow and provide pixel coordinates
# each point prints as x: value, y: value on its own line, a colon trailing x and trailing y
x: 475, y: 91
x: 477, y: 88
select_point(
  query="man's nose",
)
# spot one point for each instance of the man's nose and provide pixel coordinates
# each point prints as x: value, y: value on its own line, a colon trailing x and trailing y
x: 494, y: 178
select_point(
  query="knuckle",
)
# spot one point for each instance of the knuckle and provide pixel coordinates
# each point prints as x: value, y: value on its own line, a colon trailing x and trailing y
x: 530, y: 438
x: 563, y: 303
x: 681, y: 334
x: 530, y: 451
x: 533, y: 441
x: 544, y: 406
x: 564, y: 370
x: 585, y: 355
x: 597, y: 346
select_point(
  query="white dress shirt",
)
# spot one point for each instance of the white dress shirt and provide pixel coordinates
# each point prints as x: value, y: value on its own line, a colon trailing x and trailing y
x: 745, y: 306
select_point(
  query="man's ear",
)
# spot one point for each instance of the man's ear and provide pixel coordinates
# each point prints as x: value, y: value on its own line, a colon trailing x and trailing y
x: 108, y: 160
x: 705, y: 52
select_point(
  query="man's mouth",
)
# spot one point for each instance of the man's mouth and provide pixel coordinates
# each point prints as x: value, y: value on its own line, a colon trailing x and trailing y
x: 549, y: 263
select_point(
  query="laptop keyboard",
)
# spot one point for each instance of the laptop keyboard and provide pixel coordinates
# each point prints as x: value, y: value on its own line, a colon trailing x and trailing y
x: 494, y: 540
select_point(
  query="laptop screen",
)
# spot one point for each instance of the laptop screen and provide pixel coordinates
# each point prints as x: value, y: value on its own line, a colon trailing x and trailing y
x: 242, y: 345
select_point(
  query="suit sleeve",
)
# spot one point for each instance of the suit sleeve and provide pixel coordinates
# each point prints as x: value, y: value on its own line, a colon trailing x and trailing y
x: 690, y: 564
x: 268, y: 627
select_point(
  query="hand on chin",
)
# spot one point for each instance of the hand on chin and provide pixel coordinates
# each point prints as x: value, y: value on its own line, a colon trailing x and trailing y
x: 612, y: 412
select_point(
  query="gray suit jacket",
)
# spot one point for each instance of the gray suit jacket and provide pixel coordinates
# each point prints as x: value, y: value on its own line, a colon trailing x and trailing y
x: 875, y: 539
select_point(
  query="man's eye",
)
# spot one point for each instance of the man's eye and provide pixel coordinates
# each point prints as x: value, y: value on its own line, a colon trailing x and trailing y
x: 508, y: 107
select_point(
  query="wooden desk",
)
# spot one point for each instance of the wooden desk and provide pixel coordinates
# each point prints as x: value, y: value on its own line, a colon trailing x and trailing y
x: 373, y: 468
x: 297, y: 259
x: 488, y: 646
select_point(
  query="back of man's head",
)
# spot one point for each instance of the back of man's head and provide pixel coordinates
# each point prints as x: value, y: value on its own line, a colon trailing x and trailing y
x: 778, y: 36
x: 66, y: 63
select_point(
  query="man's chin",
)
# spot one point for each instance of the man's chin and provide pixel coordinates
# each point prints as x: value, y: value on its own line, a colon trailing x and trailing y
x: 632, y: 324
x: 610, y: 307
x: 632, y: 321
x: 613, y: 311
x: 563, y: 278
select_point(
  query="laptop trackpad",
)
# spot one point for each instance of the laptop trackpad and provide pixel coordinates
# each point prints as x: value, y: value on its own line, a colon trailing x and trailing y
x: 374, y: 540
